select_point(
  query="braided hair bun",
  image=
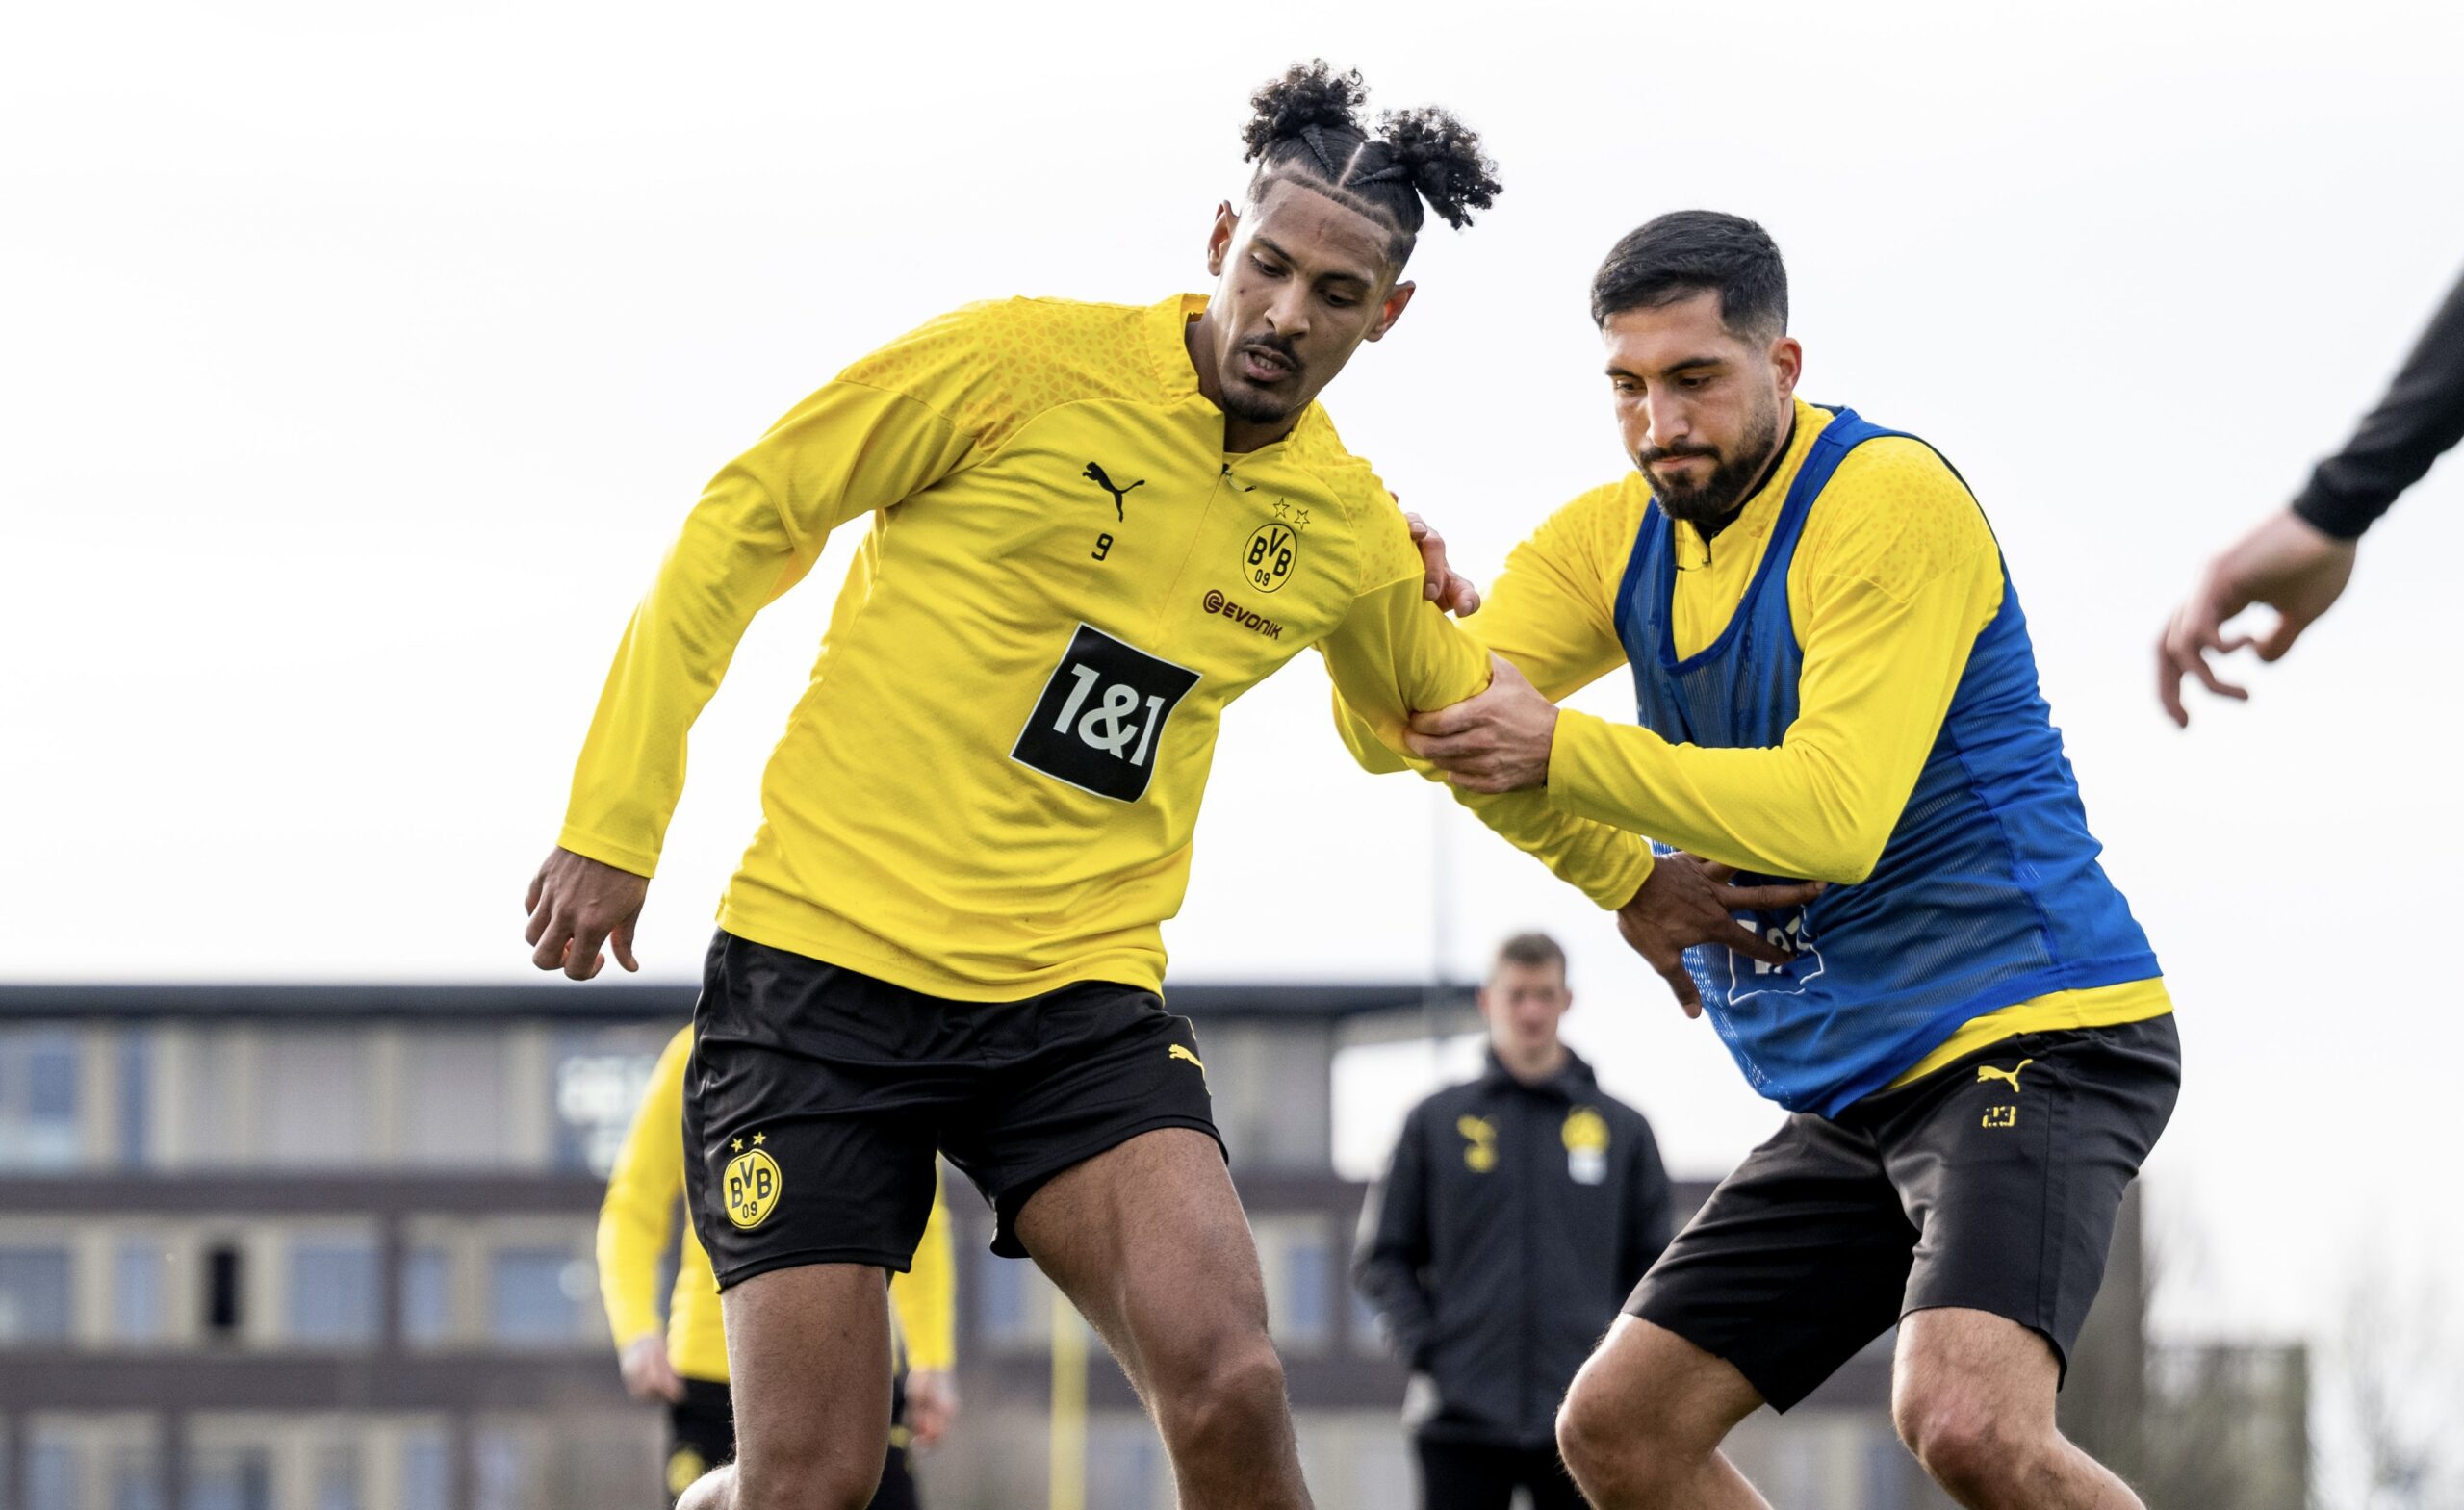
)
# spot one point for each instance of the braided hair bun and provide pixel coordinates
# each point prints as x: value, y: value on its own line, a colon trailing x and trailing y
x: 1306, y: 125
x: 1442, y: 157
x: 1308, y: 94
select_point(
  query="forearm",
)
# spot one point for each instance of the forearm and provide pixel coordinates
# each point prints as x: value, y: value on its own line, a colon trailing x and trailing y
x: 1797, y: 809
x: 2421, y: 417
x: 729, y: 562
x: 1398, y: 656
x: 1881, y: 664
x: 628, y: 1249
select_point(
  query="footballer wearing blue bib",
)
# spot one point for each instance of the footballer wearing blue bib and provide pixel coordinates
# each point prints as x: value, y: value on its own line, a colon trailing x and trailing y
x: 1833, y: 683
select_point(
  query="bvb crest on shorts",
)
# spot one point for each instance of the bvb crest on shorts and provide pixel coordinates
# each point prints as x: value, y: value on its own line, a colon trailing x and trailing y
x: 1587, y: 1139
x: 753, y: 1183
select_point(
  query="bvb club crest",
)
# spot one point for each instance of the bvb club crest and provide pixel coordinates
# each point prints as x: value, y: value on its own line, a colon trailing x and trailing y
x: 1587, y: 1139
x: 754, y: 1185
x: 1273, y: 551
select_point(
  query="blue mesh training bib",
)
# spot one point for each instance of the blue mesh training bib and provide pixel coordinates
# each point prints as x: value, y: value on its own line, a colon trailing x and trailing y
x: 1988, y: 892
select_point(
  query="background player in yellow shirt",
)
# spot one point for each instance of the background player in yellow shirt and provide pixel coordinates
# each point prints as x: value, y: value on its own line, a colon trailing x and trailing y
x: 1834, y: 680
x: 684, y: 1364
x: 1091, y: 528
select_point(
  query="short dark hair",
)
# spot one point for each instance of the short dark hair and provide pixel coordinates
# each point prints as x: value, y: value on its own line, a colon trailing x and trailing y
x: 1533, y: 951
x: 1687, y: 251
x: 1306, y: 126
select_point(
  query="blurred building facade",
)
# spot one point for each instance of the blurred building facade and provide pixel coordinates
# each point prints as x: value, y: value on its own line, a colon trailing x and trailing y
x: 329, y: 1248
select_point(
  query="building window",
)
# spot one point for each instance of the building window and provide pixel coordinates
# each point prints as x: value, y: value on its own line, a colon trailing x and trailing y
x: 333, y: 1291
x: 1125, y: 1463
x: 1008, y: 1309
x: 51, y: 1476
x: 599, y: 1079
x: 137, y: 1291
x: 501, y: 1462
x: 315, y: 1096
x: 427, y: 1294
x: 1298, y: 1266
x: 533, y: 1299
x: 454, y: 1107
x: 427, y: 1471
x: 34, y: 1295
x: 223, y: 1290
x: 1308, y: 1288
x: 135, y: 1095
x: 229, y: 1478
x: 334, y: 1477
x: 38, y: 1098
x: 134, y: 1474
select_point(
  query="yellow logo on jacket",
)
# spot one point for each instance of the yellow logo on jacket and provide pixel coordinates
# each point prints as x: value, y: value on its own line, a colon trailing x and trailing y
x: 1586, y: 1136
x: 1480, y: 1144
x: 754, y: 1184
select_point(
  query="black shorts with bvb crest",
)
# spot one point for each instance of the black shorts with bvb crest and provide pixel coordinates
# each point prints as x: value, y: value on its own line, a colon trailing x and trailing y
x: 1991, y: 1184
x: 817, y: 1098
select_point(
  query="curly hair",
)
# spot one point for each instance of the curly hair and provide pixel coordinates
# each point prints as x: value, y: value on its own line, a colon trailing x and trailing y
x: 1306, y: 125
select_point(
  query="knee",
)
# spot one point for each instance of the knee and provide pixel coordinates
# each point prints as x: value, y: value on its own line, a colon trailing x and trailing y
x: 1226, y: 1396
x: 1966, y: 1448
x: 808, y: 1481
x: 1623, y: 1444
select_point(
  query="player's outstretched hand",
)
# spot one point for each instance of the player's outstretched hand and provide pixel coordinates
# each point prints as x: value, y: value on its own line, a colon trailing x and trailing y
x: 1441, y: 584
x: 1495, y: 741
x: 2287, y: 564
x: 576, y: 905
x: 932, y: 1405
x: 1687, y: 901
x: 647, y: 1372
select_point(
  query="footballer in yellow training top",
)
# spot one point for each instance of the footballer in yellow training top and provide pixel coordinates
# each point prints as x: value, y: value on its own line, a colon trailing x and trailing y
x: 1090, y: 528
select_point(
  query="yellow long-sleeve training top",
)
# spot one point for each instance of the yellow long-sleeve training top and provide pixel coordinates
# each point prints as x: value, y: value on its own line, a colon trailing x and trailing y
x: 990, y: 785
x: 1893, y: 578
x: 645, y: 1192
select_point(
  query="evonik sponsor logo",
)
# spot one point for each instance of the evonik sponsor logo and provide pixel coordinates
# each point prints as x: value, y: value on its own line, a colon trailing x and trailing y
x: 1255, y: 623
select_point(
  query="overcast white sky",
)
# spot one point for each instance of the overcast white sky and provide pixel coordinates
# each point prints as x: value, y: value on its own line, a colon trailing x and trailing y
x: 359, y: 362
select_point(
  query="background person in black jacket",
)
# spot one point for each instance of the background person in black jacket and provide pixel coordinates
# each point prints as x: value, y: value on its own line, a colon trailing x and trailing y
x: 1517, y: 1213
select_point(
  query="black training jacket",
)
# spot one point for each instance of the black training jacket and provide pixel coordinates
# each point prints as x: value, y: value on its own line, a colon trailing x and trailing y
x: 2422, y: 415
x: 1511, y: 1224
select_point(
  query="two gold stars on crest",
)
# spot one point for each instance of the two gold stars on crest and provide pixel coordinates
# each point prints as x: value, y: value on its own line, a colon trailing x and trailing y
x: 736, y: 1146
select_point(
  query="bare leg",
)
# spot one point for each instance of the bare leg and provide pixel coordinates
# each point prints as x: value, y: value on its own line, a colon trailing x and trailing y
x: 808, y: 1358
x: 1148, y: 1241
x: 1642, y: 1425
x: 1972, y: 1393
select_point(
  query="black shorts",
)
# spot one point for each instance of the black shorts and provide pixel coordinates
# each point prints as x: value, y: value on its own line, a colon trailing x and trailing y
x: 700, y: 1435
x: 817, y: 1098
x: 1962, y: 1188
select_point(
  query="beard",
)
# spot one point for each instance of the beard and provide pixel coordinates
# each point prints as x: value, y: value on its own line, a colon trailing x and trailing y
x: 1251, y: 404
x: 1734, y: 474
